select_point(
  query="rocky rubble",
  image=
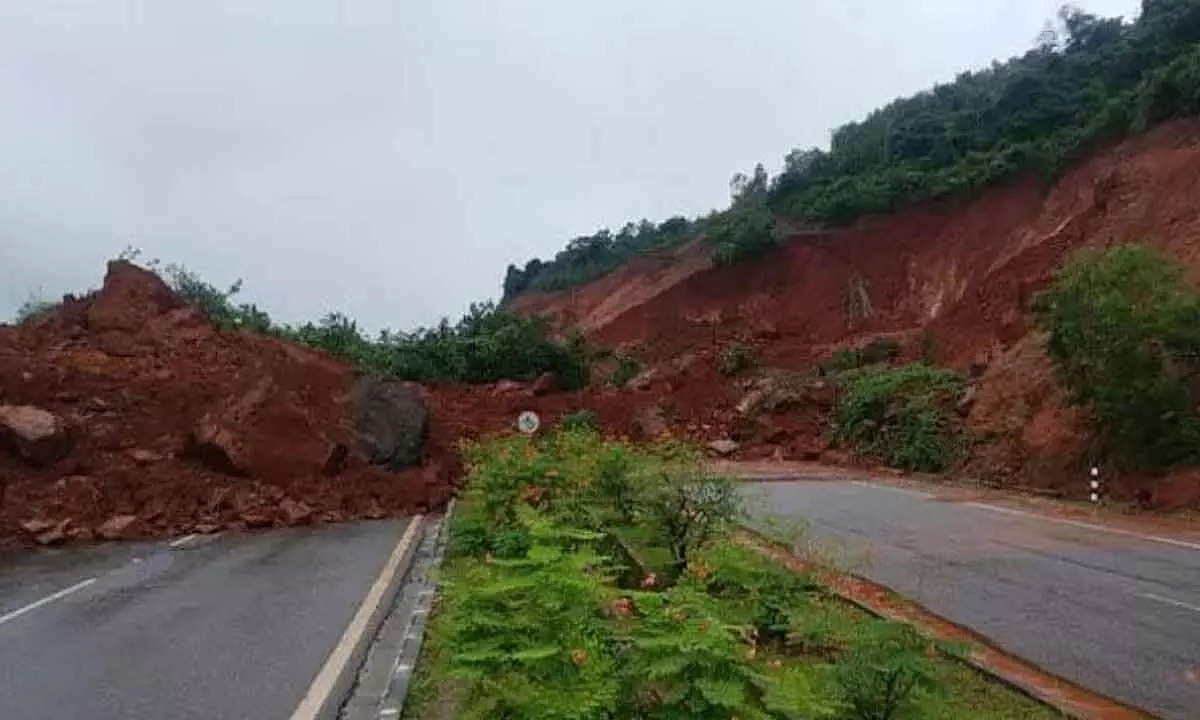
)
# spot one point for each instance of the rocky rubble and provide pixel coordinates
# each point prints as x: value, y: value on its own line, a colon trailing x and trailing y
x: 127, y: 414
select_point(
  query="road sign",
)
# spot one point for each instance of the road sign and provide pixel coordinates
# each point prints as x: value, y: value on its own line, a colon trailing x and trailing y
x: 528, y: 422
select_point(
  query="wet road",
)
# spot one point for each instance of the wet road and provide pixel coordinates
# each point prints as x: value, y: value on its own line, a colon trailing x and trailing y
x: 228, y: 627
x: 1117, y: 613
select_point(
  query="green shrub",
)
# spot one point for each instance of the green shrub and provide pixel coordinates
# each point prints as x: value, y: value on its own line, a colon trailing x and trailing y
x: 884, y: 673
x: 581, y: 420
x: 771, y: 595
x: 734, y: 359
x: 627, y: 369
x: 876, y: 352
x: 487, y: 344
x: 1124, y: 336
x: 900, y: 415
x: 32, y: 309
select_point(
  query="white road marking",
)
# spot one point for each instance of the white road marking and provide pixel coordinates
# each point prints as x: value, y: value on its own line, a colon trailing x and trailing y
x: 389, y: 712
x: 902, y: 491
x: 1088, y: 526
x: 46, y: 600
x: 179, y: 542
x: 1169, y: 601
x: 323, y: 686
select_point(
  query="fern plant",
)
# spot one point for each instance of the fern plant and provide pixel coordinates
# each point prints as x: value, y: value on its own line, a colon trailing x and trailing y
x: 682, y: 661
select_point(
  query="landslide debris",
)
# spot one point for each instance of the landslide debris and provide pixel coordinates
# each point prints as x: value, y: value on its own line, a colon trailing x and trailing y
x: 125, y: 413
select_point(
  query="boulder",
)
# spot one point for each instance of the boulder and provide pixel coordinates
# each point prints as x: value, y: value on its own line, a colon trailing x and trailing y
x: 120, y: 527
x: 36, y: 526
x: 391, y: 420
x: 643, y: 380
x: 39, y: 437
x: 294, y: 512
x: 142, y: 456
x: 219, y: 440
x: 779, y: 391
x: 723, y: 447
x: 55, y: 535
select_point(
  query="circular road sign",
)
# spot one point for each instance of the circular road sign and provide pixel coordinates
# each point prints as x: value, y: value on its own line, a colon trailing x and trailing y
x: 528, y: 422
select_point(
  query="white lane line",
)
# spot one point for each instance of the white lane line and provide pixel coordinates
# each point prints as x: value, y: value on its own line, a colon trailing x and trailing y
x: 178, y: 542
x: 46, y: 600
x: 1089, y: 526
x: 1169, y: 601
x: 889, y: 488
x: 324, y: 685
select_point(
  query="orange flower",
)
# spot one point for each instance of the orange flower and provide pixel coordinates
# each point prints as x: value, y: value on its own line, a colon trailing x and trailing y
x: 621, y: 607
x: 579, y: 657
x: 532, y: 494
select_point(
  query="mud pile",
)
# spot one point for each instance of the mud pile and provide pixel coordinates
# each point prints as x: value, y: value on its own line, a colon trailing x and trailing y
x: 126, y: 413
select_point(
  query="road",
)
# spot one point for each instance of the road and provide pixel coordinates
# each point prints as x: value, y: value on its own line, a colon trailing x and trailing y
x: 209, y: 628
x: 1114, y: 612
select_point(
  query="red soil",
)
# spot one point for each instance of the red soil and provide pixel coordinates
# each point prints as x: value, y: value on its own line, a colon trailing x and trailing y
x: 956, y: 276
x: 137, y: 375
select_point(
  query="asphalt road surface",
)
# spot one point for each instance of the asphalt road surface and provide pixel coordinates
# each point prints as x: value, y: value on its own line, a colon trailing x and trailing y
x: 1115, y: 612
x: 208, y: 628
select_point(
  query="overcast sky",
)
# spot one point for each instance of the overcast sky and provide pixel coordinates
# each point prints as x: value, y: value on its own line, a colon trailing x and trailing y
x: 389, y: 159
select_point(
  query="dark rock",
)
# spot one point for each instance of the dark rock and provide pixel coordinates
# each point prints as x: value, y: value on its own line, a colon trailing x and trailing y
x: 391, y: 421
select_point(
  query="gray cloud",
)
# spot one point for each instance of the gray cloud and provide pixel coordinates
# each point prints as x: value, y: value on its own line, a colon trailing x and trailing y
x: 389, y: 159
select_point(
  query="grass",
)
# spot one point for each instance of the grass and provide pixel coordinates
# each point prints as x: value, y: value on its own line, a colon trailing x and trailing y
x: 774, y: 643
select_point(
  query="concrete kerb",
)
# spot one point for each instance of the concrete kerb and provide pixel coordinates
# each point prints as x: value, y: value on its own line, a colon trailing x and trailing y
x: 334, y: 682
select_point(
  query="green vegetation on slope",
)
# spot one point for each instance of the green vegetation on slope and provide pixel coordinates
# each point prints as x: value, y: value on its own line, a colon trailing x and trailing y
x: 555, y: 602
x: 902, y: 415
x: 1091, y: 81
x: 486, y: 345
x: 1124, y: 335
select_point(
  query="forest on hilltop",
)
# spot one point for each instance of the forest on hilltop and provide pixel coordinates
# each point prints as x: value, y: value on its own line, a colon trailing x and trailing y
x: 1088, y: 81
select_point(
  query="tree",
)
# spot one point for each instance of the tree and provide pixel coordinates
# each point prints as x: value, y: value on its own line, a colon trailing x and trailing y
x: 1087, y: 81
x: 1123, y: 331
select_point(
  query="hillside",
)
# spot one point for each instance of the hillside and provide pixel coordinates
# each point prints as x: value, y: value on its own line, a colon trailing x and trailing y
x: 953, y: 277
